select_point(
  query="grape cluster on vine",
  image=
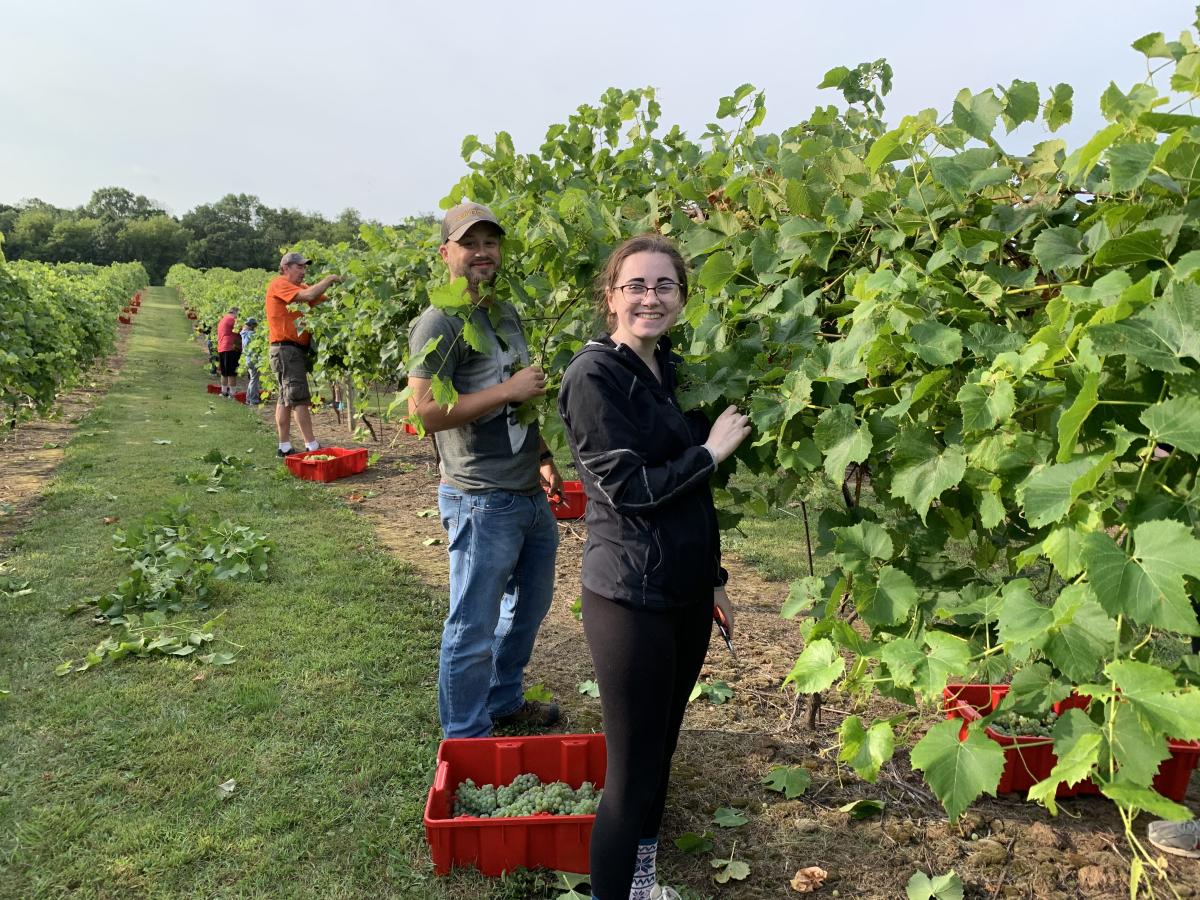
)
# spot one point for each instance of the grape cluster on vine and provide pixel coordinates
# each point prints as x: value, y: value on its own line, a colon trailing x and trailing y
x: 526, y: 795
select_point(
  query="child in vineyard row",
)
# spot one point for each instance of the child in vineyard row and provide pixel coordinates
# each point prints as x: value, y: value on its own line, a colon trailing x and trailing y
x: 652, y: 563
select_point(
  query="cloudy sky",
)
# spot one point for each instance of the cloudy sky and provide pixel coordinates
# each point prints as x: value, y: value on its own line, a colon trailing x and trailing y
x: 328, y: 105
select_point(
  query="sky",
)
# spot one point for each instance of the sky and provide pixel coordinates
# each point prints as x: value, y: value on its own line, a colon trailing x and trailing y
x: 327, y: 105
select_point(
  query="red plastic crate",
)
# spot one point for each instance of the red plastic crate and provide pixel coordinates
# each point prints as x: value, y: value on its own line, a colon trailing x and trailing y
x: 1028, y: 759
x: 192, y: 316
x: 573, y: 503
x: 124, y: 319
x: 495, y: 846
x: 348, y: 462
x: 239, y: 396
x: 213, y: 388
x: 409, y: 429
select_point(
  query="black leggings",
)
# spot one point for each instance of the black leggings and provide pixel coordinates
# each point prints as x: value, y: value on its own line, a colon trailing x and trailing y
x: 647, y: 662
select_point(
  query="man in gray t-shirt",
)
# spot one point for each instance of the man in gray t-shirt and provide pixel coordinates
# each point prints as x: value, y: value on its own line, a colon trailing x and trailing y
x: 503, y: 537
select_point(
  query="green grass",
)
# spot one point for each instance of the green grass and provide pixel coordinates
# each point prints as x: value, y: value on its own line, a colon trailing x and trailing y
x: 327, y: 720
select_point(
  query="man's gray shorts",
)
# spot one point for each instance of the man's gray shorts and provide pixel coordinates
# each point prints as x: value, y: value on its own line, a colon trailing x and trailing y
x: 289, y: 364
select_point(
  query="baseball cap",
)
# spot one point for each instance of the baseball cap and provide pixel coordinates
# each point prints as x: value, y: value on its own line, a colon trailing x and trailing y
x: 460, y: 218
x: 290, y: 258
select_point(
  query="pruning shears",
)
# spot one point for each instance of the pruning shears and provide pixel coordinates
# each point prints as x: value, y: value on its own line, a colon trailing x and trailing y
x: 723, y: 627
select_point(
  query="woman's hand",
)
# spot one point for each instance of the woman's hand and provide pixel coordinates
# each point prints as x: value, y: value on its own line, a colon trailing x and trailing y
x: 730, y: 429
x: 721, y: 601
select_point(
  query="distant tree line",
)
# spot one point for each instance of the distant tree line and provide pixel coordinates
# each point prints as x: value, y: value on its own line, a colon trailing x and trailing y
x: 237, y: 232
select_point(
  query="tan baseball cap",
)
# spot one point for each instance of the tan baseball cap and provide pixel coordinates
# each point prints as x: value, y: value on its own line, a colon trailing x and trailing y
x: 290, y: 258
x: 460, y: 218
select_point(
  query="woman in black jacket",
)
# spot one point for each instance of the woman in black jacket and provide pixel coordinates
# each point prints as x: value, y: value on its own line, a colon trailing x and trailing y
x: 652, y: 563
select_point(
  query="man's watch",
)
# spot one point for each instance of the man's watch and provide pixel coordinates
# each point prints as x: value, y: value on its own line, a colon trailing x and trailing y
x: 546, y: 456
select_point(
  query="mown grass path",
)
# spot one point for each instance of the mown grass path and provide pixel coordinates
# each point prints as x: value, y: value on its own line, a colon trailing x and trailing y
x: 327, y: 721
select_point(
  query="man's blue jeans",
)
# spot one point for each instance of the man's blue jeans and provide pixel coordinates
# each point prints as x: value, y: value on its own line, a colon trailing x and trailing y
x: 502, y: 549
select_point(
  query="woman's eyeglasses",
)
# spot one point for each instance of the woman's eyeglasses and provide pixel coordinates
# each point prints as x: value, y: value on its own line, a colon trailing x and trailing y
x: 664, y: 290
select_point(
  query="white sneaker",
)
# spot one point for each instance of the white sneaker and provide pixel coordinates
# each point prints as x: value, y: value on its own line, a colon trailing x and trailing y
x: 662, y: 892
x: 1180, y: 838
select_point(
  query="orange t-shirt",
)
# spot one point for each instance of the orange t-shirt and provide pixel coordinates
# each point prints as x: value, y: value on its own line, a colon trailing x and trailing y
x: 281, y: 321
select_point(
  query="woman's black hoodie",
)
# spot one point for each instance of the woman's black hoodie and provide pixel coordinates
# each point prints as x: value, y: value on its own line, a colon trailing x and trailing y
x: 652, y: 529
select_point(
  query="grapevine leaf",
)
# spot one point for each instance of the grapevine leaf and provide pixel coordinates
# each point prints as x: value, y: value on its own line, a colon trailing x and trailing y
x: 1059, y: 107
x: 976, y: 113
x: 862, y: 809
x: 1147, y: 800
x: 730, y: 870
x: 588, y: 688
x: 866, y: 750
x: 1034, y: 688
x: 885, y: 599
x: 1175, y: 422
x: 1159, y: 335
x: 1023, y: 621
x: 690, y: 842
x: 450, y: 296
x: 1020, y: 103
x: 1047, y: 494
x: 443, y: 391
x: 986, y: 406
x: 791, y: 781
x: 841, y: 440
x: 1152, y: 693
x: 935, y: 343
x: 1082, y: 635
x: 1138, y: 246
x: 939, y: 887
x: 716, y: 272
x: 1059, y: 249
x: 1147, y: 586
x: 1076, y: 759
x: 816, y: 668
x: 902, y: 656
x: 1063, y: 546
x: 802, y: 595
x: 1080, y: 163
x: 729, y: 818
x: 946, y: 655
x: 1129, y: 164
x: 859, y: 545
x: 921, y: 473
x: 957, y: 771
x: 1138, y: 750
x: 1075, y: 415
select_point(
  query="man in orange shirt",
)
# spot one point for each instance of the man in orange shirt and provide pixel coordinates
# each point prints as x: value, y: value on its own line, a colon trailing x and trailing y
x: 289, y: 347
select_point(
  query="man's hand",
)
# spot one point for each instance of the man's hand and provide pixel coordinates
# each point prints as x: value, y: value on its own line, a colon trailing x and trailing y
x: 551, y: 480
x: 526, y: 384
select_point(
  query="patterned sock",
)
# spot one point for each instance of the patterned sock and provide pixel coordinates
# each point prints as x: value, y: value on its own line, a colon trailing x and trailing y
x: 643, y: 869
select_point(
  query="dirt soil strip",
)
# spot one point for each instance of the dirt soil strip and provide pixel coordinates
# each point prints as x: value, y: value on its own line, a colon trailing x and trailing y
x: 30, y: 454
x: 1004, y: 847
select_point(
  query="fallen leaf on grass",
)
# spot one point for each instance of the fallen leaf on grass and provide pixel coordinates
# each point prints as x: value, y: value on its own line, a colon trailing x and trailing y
x: 199, y: 676
x: 111, y: 520
x: 539, y: 692
x: 690, y: 842
x: 161, y: 441
x: 427, y: 513
x: 431, y: 542
x: 809, y: 879
x: 729, y: 869
x: 49, y: 445
x: 355, y: 498
x: 791, y: 781
x: 589, y: 688
x: 729, y: 818
x: 226, y: 788
x: 862, y: 809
